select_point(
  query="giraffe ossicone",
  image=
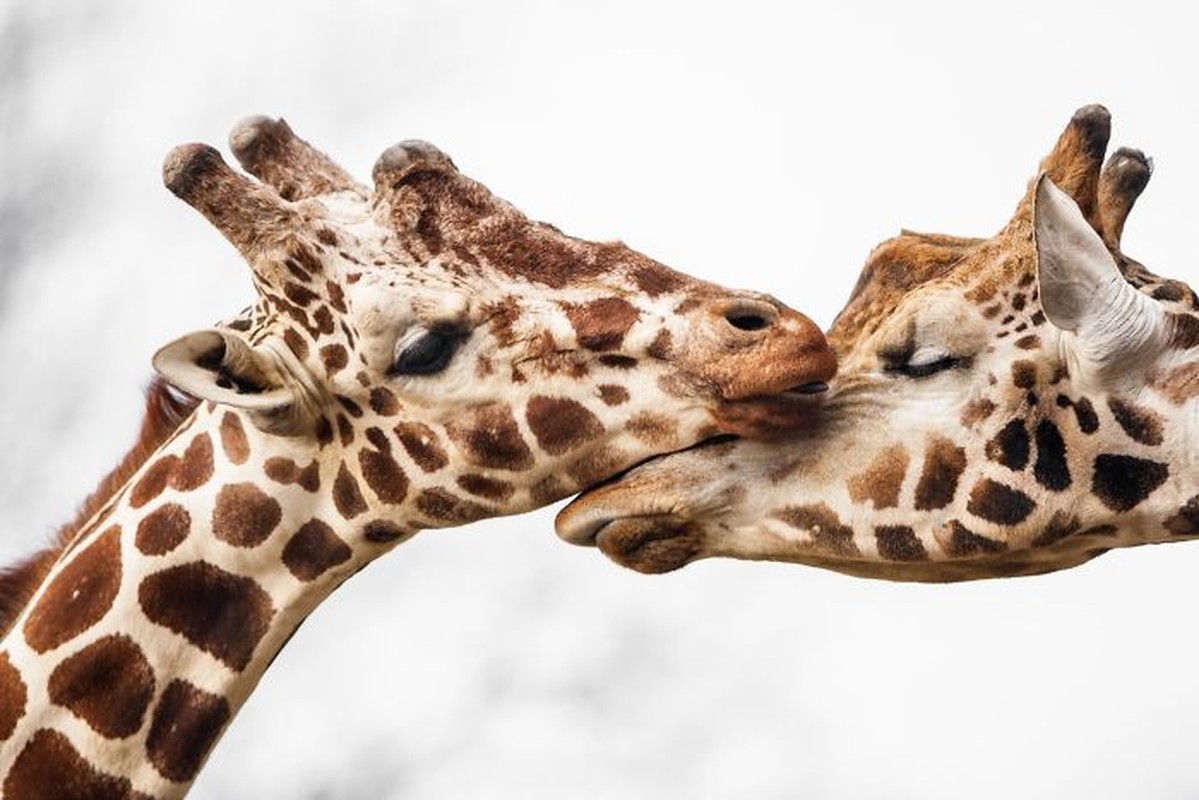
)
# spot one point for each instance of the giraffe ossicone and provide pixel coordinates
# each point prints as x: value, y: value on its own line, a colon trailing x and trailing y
x: 420, y: 355
x: 1004, y: 406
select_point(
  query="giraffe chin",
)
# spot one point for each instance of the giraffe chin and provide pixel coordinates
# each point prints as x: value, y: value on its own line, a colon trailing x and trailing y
x: 650, y: 545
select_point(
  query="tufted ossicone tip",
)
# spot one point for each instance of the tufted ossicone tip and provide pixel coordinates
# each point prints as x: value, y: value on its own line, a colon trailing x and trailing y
x: 407, y: 157
x: 269, y: 150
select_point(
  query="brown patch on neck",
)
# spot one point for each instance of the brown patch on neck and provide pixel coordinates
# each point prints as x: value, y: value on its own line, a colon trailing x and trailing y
x: 166, y: 410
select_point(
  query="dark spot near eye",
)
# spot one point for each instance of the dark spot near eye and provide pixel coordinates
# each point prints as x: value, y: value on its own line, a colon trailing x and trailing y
x: 489, y: 437
x: 383, y: 402
x: 561, y: 424
x: 1030, y: 342
x: 660, y: 347
x: 422, y: 445
x: 385, y: 477
x: 1018, y: 302
x: 613, y: 395
x: 1024, y: 374
x: 1141, y: 424
x: 880, y: 482
x: 1038, y: 318
x: 944, y: 463
x: 350, y: 406
x: 1084, y: 412
x: 295, y: 343
x: 347, y: 497
x: 998, y: 503
x: 1051, y: 469
x: 300, y: 295
x: 1010, y: 446
x: 1122, y: 482
x: 976, y: 411
x: 602, y: 324
x: 345, y: 430
x: 335, y: 358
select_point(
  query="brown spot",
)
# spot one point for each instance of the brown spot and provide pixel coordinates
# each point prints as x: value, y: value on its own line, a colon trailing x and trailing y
x: 13, y: 696
x: 1184, y: 523
x: 244, y: 515
x: 285, y: 471
x: 899, y: 543
x: 548, y: 490
x: 598, y: 464
x: 1060, y: 526
x: 300, y: 295
x: 489, y: 437
x: 162, y: 530
x: 313, y: 550
x: 661, y: 347
x: 943, y: 465
x: 324, y: 431
x: 379, y: 439
x: 187, y: 723
x: 1051, y: 470
x: 616, y: 361
x: 976, y: 411
x: 656, y: 430
x: 195, y: 467
x: 489, y: 488
x: 383, y: 402
x: 337, y: 298
x: 881, y: 481
x: 1084, y: 412
x: 345, y: 429
x: 384, y: 476
x: 999, y: 503
x: 1179, y: 384
x: 79, y: 595
x: 1141, y: 424
x: 655, y: 279
x: 108, y: 684
x: 49, y: 766
x: 1122, y: 482
x: 561, y: 424
x: 233, y: 438
x: 223, y: 614
x: 422, y: 445
x: 335, y: 358
x: 1184, y: 330
x: 445, y: 507
x: 1024, y: 374
x: 602, y: 324
x: 346, y: 494
x: 963, y: 543
x: 295, y: 343
x: 1030, y: 342
x: 613, y: 395
x: 153, y: 481
x: 1010, y: 446
x: 829, y: 535
x: 381, y: 531
x: 349, y: 405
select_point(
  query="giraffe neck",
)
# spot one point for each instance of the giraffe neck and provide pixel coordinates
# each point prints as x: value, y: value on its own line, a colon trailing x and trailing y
x: 156, y: 624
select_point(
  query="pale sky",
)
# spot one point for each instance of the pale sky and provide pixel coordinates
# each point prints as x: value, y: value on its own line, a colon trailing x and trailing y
x: 754, y: 144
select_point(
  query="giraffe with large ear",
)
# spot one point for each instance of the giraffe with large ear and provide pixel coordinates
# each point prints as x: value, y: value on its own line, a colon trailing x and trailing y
x: 1004, y: 406
x: 421, y: 355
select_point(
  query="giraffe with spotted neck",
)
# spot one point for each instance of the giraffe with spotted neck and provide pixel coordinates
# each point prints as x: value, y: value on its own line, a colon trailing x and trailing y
x: 421, y: 355
x: 1004, y: 406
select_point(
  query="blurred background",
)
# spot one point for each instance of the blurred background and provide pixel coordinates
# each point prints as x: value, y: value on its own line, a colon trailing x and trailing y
x: 755, y: 144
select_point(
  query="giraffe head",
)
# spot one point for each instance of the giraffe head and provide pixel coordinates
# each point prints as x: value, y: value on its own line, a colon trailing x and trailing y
x: 1008, y: 405
x: 427, y: 321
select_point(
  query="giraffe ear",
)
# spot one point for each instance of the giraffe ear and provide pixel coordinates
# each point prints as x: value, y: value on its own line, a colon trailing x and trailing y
x: 1081, y: 288
x: 223, y: 368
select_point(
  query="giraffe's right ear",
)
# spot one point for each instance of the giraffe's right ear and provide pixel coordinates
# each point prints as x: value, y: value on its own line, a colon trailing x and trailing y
x: 223, y: 368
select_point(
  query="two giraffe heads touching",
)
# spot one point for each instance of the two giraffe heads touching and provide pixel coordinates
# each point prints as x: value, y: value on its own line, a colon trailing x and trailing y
x: 421, y: 355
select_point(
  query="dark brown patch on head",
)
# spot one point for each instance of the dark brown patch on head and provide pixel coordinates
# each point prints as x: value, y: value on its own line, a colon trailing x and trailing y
x: 447, y: 508
x: 1084, y: 412
x: 295, y: 343
x: 490, y: 488
x: 661, y: 347
x: 1024, y: 374
x: 345, y: 430
x: 1122, y: 482
x: 383, y: 402
x: 899, y: 543
x: 335, y: 358
x: 244, y: 515
x: 49, y: 766
x: 998, y: 503
x: 324, y: 431
x: 618, y: 361
x: 108, y: 685
x: 233, y: 439
x: 943, y: 465
x: 384, y: 476
x: 1184, y: 523
x: 223, y: 614
x: 379, y: 439
x: 1010, y: 446
x: 602, y: 324
x: 654, y: 279
x: 195, y: 467
x: 337, y: 297
x: 313, y: 550
x: 976, y: 411
x: 613, y: 395
x: 13, y: 696
x: 1051, y: 469
x: 1030, y: 342
x: 187, y: 723
x: 79, y: 596
x: 422, y: 445
x: 287, y: 472
x: 346, y: 494
x: 963, y: 543
x: 489, y: 437
x: 1142, y: 425
x: 1184, y: 330
x: 1060, y: 526
x: 162, y: 530
x: 656, y: 430
x: 561, y: 424
x: 300, y: 295
x: 829, y: 535
x: 880, y: 482
x: 153, y: 481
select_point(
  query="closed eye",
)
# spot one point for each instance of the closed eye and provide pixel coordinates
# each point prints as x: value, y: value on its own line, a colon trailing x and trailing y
x: 426, y: 354
x: 923, y: 363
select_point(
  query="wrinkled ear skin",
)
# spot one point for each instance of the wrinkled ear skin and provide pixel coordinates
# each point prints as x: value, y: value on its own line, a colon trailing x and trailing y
x: 221, y: 367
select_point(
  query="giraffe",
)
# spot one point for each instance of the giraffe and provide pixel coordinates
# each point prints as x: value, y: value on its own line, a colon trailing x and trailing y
x: 420, y: 355
x: 1005, y: 406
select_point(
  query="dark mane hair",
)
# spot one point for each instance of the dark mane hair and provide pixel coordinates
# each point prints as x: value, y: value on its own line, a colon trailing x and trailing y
x: 166, y: 410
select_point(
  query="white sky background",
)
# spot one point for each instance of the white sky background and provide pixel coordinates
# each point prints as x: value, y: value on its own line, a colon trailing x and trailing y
x: 748, y: 143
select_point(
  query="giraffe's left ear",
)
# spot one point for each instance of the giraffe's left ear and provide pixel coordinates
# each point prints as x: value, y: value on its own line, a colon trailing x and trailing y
x: 1081, y: 288
x: 221, y: 367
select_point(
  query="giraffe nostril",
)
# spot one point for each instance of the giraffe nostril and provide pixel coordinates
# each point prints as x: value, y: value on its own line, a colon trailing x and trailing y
x: 747, y: 322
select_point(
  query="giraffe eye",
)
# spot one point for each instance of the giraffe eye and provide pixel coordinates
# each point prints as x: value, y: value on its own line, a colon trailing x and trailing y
x: 922, y: 363
x: 427, y: 354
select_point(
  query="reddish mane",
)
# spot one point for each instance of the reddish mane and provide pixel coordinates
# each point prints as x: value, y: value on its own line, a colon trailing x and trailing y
x: 166, y: 410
